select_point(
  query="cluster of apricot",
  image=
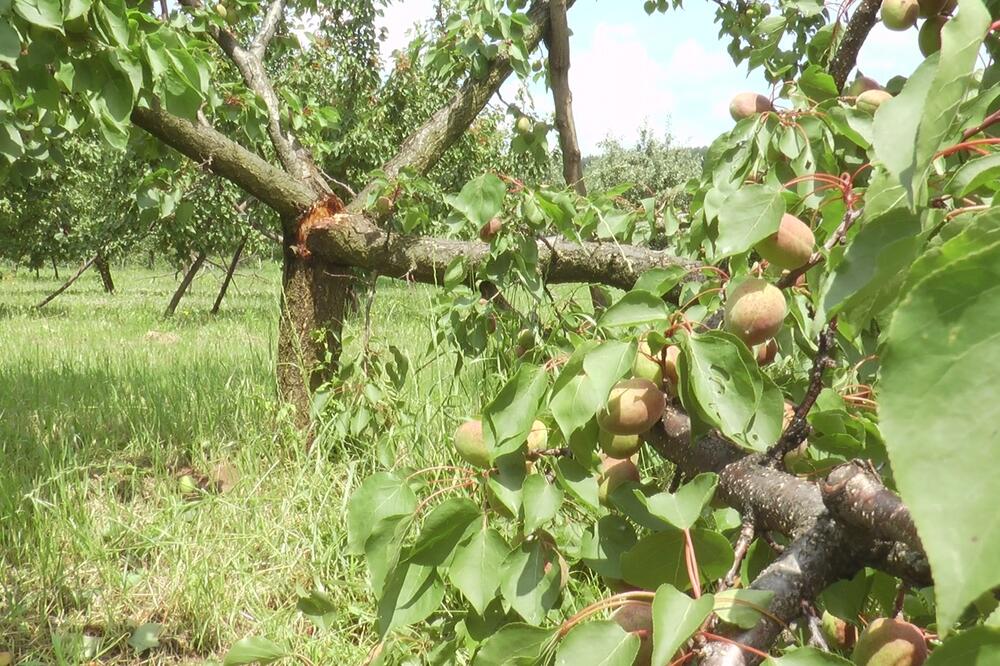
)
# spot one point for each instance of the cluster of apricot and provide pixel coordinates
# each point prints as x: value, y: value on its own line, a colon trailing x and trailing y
x: 903, y: 15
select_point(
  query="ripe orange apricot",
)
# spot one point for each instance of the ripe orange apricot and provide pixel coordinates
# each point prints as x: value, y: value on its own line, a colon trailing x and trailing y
x: 888, y: 642
x: 634, y: 405
x: 790, y: 246
x: 755, y: 311
x: 746, y: 104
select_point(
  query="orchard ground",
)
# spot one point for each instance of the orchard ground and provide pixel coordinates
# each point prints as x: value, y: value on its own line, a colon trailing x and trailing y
x: 105, y: 406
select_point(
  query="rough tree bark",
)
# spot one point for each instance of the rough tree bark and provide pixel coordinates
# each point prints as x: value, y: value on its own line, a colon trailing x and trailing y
x: 824, y: 548
x: 862, y: 21
x: 229, y: 274
x: 185, y: 283
x: 101, y: 264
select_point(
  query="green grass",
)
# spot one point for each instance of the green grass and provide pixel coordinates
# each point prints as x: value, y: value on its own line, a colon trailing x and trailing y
x: 104, y: 405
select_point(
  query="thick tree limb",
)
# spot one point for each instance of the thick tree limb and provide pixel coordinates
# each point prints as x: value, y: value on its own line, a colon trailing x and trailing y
x: 288, y: 196
x: 425, y: 146
x: 824, y: 547
x: 558, y: 42
x: 862, y: 21
x: 87, y: 264
x: 250, y: 62
x: 352, y: 239
x: 882, y: 513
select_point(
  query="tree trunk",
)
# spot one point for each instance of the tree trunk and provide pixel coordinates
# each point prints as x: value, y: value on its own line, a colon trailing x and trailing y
x: 229, y: 274
x: 185, y: 283
x: 101, y: 264
x: 68, y: 282
x: 55, y: 268
x: 314, y: 297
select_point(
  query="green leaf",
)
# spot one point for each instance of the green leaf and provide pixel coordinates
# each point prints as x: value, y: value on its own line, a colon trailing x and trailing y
x: 602, y: 547
x: 942, y: 343
x: 541, y: 502
x: 474, y: 569
x: 480, y: 200
x: 585, y: 381
x: 682, y: 509
x: 636, y: 308
x: 455, y: 273
x: 961, y: 39
x: 529, y: 580
x: 658, y: 558
x: 896, y: 122
x: 145, y: 637
x: 748, y: 216
x: 601, y: 643
x: 381, y: 495
x: 740, y: 606
x: 384, y: 547
x: 508, y: 418
x: 41, y: 13
x: 807, y: 656
x: 578, y: 482
x: 443, y: 529
x: 869, y: 275
x: 321, y: 609
x: 10, y: 43
x: 411, y: 593
x: 514, y: 644
x: 112, y: 22
x: 975, y: 174
x: 817, y: 84
x: 659, y: 281
x: 979, y: 646
x: 676, y: 617
x: 722, y: 385
x: 254, y: 650
x: 11, y: 144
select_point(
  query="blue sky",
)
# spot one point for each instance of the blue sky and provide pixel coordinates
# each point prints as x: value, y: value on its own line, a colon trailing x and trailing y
x: 669, y: 71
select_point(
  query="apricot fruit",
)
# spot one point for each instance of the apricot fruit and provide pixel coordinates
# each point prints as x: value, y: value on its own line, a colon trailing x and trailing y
x: 929, y: 37
x: 900, y: 14
x: 670, y: 366
x: 860, y: 84
x: 490, y: 229
x: 221, y: 10
x: 647, y: 364
x: 790, y: 246
x: 888, y: 642
x: 870, y: 100
x: 614, y: 472
x: 538, y: 437
x: 755, y: 311
x: 618, y: 446
x: 636, y: 617
x: 746, y: 104
x: 524, y: 125
x: 470, y: 444
x: 383, y: 206
x: 838, y: 633
x: 634, y: 405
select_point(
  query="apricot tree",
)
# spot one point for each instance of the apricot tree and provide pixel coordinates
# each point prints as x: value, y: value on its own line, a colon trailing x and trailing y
x: 738, y: 525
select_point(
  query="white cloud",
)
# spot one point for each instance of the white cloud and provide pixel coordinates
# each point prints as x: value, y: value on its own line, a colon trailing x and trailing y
x: 617, y: 85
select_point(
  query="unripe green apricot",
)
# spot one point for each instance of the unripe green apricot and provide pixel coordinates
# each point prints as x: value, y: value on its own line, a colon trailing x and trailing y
x: 470, y: 444
x: 524, y: 125
x: 634, y: 405
x: 490, y: 229
x: 755, y: 311
x: 383, y: 206
x: 746, y: 104
x: 929, y: 37
x: 647, y: 364
x: 870, y: 100
x: 538, y: 437
x: 790, y: 246
x: 618, y: 446
x: 900, y: 14
x: 888, y: 642
x: 636, y: 617
x: 221, y: 10
x: 526, y: 339
x: 614, y: 473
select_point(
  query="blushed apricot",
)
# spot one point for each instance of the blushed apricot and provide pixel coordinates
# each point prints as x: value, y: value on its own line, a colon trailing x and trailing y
x: 755, y: 311
x: 790, y: 246
x: 634, y: 405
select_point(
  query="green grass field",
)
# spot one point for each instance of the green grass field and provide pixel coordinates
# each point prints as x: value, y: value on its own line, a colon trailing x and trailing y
x: 104, y: 405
